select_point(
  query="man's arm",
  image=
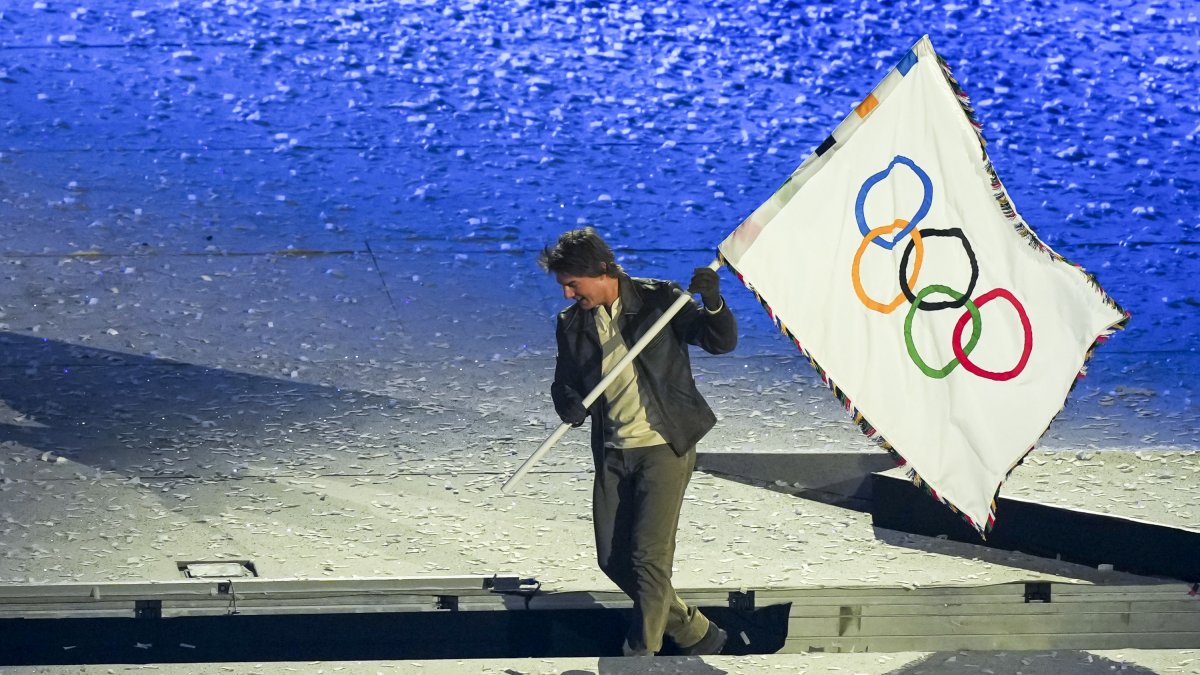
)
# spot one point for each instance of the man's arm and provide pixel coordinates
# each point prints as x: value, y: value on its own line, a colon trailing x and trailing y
x: 568, y: 402
x: 709, y: 325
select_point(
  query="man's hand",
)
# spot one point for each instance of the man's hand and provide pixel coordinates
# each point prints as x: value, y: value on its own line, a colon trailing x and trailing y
x: 706, y: 282
x: 568, y: 404
x: 576, y: 414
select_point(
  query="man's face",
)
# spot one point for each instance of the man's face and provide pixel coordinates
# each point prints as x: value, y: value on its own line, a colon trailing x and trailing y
x: 588, y: 292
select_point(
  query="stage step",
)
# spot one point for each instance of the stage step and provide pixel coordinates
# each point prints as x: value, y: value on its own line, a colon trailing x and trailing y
x: 510, y: 616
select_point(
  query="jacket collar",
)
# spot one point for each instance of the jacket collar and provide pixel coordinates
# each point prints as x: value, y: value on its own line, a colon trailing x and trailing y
x: 631, y: 303
x: 631, y: 298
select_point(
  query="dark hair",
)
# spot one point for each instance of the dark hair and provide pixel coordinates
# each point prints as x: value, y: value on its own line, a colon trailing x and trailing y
x: 580, y: 253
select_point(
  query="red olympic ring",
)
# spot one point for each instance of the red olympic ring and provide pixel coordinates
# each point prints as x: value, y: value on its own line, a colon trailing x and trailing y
x: 956, y: 340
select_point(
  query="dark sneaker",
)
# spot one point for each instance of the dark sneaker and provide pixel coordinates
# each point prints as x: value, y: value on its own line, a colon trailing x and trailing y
x: 630, y: 651
x: 712, y: 643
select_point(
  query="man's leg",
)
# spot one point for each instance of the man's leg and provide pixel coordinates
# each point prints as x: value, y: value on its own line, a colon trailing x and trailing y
x: 659, y: 480
x: 612, y: 518
x: 613, y: 507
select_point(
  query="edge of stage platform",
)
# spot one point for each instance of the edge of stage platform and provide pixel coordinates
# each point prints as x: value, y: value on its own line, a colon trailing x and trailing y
x: 202, y: 621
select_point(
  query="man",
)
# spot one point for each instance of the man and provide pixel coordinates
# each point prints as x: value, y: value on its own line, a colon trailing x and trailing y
x: 645, y: 426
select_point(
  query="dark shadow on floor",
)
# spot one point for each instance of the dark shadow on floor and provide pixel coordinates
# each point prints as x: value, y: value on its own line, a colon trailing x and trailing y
x: 681, y: 665
x: 1064, y: 662
x: 145, y: 416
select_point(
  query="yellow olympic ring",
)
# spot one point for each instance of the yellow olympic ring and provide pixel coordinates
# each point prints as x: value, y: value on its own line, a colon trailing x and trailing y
x: 912, y: 280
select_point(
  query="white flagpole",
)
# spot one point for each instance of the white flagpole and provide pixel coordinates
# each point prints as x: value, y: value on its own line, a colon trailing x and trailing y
x: 637, y: 348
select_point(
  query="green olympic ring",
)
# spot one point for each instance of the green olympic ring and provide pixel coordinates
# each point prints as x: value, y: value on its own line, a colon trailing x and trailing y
x: 976, y: 329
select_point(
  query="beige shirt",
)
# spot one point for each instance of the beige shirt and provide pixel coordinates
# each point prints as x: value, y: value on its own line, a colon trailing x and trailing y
x: 627, y: 424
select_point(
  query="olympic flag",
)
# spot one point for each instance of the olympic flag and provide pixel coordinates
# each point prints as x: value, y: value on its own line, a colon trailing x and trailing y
x: 884, y: 247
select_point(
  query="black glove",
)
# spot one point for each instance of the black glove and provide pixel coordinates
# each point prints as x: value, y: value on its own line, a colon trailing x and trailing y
x: 576, y: 414
x: 706, y: 282
x: 568, y: 404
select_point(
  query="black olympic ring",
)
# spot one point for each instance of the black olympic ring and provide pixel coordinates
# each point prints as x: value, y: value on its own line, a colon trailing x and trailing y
x: 948, y: 304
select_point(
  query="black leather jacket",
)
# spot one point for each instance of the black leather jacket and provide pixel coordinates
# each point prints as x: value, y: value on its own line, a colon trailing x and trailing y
x: 664, y: 368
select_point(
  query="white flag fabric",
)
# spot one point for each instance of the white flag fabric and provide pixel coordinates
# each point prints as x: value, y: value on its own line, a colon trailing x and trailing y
x: 896, y: 261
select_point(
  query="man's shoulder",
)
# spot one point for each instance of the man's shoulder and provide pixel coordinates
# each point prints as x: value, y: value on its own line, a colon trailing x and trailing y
x: 655, y: 292
x: 648, y: 285
x: 570, y: 316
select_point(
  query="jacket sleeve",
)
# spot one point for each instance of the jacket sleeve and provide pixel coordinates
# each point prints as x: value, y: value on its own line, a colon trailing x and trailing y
x: 564, y: 391
x: 714, y: 332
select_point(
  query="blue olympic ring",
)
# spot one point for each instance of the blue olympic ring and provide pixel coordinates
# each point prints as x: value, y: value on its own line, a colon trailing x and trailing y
x: 922, y: 211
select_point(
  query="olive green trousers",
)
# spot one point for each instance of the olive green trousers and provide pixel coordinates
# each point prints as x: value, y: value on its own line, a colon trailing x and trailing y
x: 635, y: 511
